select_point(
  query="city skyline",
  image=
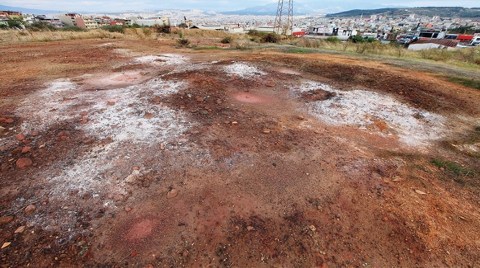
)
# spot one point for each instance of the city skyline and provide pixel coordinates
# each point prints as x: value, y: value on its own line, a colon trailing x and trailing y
x: 220, y: 5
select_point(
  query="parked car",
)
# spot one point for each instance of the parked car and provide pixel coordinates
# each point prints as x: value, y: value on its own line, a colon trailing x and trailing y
x: 475, y: 41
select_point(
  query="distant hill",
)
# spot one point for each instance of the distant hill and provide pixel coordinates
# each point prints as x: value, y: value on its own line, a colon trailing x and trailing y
x: 270, y: 9
x: 29, y: 10
x: 460, y: 12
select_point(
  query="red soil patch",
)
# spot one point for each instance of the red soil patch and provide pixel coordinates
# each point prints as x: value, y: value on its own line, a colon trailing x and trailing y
x: 140, y: 230
x: 248, y: 97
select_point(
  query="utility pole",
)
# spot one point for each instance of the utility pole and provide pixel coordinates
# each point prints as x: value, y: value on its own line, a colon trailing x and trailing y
x: 279, y: 27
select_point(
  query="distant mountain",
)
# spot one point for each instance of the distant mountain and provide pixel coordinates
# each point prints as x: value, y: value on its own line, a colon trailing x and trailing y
x: 460, y: 12
x: 29, y: 10
x: 270, y: 9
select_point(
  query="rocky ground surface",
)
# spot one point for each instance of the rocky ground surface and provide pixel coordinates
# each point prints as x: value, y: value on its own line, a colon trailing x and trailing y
x: 134, y: 153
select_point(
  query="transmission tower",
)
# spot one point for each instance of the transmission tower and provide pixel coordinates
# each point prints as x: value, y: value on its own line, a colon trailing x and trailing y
x: 279, y: 27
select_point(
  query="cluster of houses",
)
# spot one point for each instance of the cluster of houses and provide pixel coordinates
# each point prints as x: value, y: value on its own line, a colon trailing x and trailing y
x: 80, y: 21
x: 416, y: 32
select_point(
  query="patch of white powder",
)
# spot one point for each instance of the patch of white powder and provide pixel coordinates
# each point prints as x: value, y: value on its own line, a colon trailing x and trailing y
x: 360, y: 108
x: 164, y: 59
x: 118, y: 114
x: 243, y: 70
x: 127, y: 119
x: 48, y: 106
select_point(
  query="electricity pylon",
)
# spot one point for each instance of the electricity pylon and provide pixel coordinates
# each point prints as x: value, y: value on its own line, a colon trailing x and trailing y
x: 279, y: 27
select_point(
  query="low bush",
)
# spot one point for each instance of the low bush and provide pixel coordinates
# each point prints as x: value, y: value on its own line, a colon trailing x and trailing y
x: 114, y: 28
x: 271, y: 38
x: 163, y: 29
x: 333, y: 39
x: 41, y: 26
x: 226, y: 40
x: 183, y: 42
x: 72, y: 29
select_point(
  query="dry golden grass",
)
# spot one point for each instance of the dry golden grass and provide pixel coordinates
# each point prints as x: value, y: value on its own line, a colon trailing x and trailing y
x: 207, y: 38
x: 464, y: 55
x: 12, y: 36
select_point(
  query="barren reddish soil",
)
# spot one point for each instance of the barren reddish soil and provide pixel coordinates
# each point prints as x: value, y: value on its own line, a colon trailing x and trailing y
x: 131, y: 153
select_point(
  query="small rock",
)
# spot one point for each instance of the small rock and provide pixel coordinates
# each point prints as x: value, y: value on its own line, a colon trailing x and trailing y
x: 6, y: 219
x: 172, y: 194
x: 128, y: 209
x: 300, y: 117
x: 26, y: 149
x: 20, y: 230
x: 397, y: 179
x: 234, y: 123
x: 250, y: 228
x: 2, y: 129
x: 420, y: 192
x: 270, y: 84
x: 118, y: 197
x: 84, y: 120
x: 266, y: 131
x: 133, y: 177
x: 30, y: 209
x: 20, y: 137
x: 23, y: 163
x: 111, y: 102
x: 6, y: 244
x: 148, y: 115
x: 312, y: 228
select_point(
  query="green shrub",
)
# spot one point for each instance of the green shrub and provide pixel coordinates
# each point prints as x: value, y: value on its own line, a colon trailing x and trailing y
x: 41, y: 26
x: 271, y: 38
x: 226, y: 40
x: 114, y: 28
x: 73, y: 29
x: 163, y: 29
x: 357, y: 39
x: 256, y: 33
x: 183, y: 42
x: 333, y: 39
x: 452, y: 167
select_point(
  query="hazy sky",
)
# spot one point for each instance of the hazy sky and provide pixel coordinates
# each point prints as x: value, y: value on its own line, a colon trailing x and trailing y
x: 221, y: 5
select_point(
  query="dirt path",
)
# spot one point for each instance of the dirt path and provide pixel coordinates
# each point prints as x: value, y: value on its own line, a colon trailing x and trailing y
x: 126, y: 153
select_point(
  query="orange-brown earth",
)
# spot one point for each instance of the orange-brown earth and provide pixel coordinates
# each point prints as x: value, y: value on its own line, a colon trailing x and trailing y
x: 134, y: 153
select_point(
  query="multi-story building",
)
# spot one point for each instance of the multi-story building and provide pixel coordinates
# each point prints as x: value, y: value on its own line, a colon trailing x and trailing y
x: 77, y: 20
x: 13, y: 15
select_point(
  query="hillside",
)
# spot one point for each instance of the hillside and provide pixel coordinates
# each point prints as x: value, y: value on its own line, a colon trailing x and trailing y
x: 424, y: 11
x: 28, y: 10
x: 270, y: 9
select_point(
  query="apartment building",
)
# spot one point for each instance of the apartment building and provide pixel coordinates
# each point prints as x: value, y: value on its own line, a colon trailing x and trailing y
x: 77, y: 20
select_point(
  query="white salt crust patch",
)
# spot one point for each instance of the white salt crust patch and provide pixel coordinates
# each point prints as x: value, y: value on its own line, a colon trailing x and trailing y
x: 118, y: 114
x: 243, y: 70
x: 360, y: 108
x: 164, y: 59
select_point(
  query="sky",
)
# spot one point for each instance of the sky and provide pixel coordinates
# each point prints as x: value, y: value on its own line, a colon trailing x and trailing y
x: 221, y: 5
